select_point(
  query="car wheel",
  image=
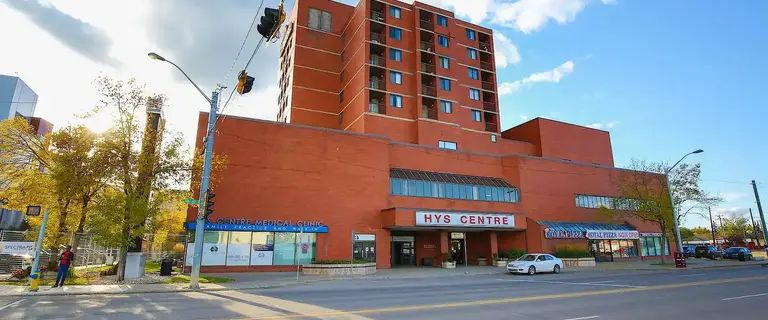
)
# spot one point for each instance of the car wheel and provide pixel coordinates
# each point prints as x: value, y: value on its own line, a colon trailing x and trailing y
x: 557, y: 269
x: 531, y: 270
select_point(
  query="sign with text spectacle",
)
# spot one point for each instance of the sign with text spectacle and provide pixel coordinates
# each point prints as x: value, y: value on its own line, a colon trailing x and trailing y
x: 18, y: 248
x: 613, y: 234
x: 464, y: 219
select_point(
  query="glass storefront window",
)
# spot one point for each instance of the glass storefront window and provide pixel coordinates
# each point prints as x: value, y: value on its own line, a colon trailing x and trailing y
x: 285, y: 248
x: 215, y: 248
x: 653, y: 246
x: 262, y: 248
x: 305, y: 246
x: 239, y: 249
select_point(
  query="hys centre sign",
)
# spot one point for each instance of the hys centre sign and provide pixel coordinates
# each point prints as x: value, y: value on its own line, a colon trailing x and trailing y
x: 464, y: 219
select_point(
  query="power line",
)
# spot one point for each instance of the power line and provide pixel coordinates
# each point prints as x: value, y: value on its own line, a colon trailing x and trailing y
x: 245, y: 40
x: 231, y: 93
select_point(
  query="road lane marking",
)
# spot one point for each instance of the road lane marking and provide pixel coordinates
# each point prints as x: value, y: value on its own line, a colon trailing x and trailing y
x: 12, y: 304
x: 575, y: 283
x: 583, y: 318
x: 748, y: 296
x: 606, y: 281
x: 693, y: 275
x: 475, y: 303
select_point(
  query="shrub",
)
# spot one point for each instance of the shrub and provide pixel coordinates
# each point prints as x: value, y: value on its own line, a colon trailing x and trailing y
x: 111, y: 271
x: 355, y: 261
x: 20, y: 274
x: 571, y: 252
x: 513, y: 254
x: 447, y: 257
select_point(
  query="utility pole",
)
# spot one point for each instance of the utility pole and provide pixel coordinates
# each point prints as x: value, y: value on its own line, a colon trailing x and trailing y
x: 197, y: 258
x: 712, y: 225
x: 760, y: 211
x: 34, y: 274
x: 754, y: 228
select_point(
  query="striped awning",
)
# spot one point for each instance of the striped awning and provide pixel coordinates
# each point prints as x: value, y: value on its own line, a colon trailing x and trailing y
x: 578, y: 230
x: 447, y: 178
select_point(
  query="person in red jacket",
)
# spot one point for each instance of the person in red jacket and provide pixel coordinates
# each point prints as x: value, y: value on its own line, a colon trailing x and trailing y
x: 65, y: 260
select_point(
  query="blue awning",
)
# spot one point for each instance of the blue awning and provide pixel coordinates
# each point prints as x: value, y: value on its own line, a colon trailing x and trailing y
x: 578, y: 230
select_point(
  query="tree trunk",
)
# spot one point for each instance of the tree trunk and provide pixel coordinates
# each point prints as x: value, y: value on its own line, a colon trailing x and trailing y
x: 663, y: 241
x: 125, y: 234
x: 81, y: 223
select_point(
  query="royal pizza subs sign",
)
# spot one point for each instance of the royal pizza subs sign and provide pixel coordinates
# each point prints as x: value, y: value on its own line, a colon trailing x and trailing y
x: 464, y: 219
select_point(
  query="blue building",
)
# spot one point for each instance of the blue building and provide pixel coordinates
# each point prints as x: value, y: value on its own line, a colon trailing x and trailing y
x: 17, y: 99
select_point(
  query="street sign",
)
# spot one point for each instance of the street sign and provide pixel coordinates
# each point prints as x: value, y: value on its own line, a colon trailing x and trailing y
x: 190, y: 201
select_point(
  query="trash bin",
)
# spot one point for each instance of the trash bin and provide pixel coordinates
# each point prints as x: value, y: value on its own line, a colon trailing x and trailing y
x: 166, y: 266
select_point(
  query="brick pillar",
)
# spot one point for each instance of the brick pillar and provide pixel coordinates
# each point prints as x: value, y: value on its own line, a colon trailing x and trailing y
x: 445, y: 244
x: 494, y: 246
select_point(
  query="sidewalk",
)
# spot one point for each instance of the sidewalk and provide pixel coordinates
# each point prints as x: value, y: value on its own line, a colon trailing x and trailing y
x: 266, y: 280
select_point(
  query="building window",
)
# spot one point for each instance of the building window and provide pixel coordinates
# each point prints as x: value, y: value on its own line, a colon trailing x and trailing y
x: 395, y: 77
x: 395, y: 54
x: 493, y: 138
x: 395, y: 33
x: 394, y: 12
x: 444, y: 62
x: 445, y: 106
x: 341, y: 76
x: 450, y: 145
x: 471, y: 34
x: 473, y: 73
x: 341, y: 56
x: 395, y: 100
x: 341, y: 96
x: 445, y: 84
x: 319, y: 20
x: 442, y: 21
x: 653, y: 246
x: 476, y: 116
x: 472, y: 53
x: 442, y: 41
x: 447, y: 186
x: 596, y: 202
x: 474, y: 94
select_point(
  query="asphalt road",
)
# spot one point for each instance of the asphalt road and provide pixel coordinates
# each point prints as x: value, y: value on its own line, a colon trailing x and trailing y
x: 739, y: 293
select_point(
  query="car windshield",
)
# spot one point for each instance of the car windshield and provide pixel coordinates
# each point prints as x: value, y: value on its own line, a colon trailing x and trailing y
x: 527, y: 257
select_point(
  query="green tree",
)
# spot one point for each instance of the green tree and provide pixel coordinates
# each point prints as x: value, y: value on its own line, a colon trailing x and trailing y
x: 686, y: 234
x: 127, y: 205
x: 735, y: 230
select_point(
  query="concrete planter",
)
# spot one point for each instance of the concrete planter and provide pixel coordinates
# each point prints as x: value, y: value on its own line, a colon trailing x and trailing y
x: 482, y: 261
x: 501, y: 262
x: 339, y: 269
x: 448, y: 265
x: 579, y: 262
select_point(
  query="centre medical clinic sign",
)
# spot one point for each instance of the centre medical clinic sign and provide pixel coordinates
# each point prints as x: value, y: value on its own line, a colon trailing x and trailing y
x: 462, y: 219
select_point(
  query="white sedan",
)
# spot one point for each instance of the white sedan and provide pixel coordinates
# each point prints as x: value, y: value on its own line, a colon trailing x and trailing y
x: 535, y: 262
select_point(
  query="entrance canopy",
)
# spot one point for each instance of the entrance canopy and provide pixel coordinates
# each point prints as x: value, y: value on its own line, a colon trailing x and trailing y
x: 577, y: 230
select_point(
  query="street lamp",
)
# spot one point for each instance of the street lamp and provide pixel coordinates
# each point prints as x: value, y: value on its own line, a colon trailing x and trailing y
x: 678, y: 241
x: 197, y: 258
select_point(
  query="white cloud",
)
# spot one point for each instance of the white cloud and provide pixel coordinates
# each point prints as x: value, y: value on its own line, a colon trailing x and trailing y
x: 603, y: 126
x: 476, y: 11
x: 506, y: 51
x: 552, y: 76
x: 608, y: 1
x: 733, y: 196
x: 529, y: 16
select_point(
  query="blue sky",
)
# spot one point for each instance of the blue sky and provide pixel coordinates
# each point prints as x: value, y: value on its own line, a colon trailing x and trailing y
x: 664, y: 77
x: 667, y: 77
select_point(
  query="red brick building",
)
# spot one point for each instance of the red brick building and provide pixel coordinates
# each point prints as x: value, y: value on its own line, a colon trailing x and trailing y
x: 382, y: 156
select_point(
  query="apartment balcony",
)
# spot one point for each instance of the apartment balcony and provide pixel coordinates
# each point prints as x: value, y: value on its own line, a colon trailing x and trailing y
x: 429, y: 111
x: 485, y: 65
x: 485, y: 46
x: 377, y: 84
x: 428, y: 90
x: 377, y: 16
x: 378, y: 60
x: 427, y: 24
x: 427, y: 67
x: 378, y: 37
x: 489, y: 85
x: 491, y: 126
x: 376, y: 106
x: 489, y: 106
x: 427, y: 46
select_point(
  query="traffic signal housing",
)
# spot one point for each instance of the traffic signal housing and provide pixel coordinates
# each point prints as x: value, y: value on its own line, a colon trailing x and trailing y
x: 209, y: 204
x: 244, y: 83
x: 269, y: 22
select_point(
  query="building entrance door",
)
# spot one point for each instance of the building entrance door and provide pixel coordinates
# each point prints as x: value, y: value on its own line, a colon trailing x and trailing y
x: 458, y: 248
x: 403, y: 251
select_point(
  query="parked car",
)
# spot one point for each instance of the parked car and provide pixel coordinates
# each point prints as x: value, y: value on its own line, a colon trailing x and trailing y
x: 535, y: 262
x: 741, y: 253
x: 707, y: 251
x: 689, y: 250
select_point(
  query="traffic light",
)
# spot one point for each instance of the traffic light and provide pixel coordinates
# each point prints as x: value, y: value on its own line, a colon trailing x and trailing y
x: 269, y: 22
x: 209, y: 204
x: 244, y: 83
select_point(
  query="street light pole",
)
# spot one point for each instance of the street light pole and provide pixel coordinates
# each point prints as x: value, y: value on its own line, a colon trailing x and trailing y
x: 678, y: 241
x: 197, y: 258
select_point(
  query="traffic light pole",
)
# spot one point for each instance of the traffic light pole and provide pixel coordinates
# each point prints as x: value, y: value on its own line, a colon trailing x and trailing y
x: 197, y: 258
